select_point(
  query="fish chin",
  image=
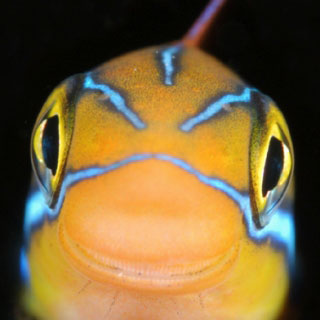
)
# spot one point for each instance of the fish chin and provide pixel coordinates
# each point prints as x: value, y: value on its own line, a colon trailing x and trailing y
x: 159, y: 276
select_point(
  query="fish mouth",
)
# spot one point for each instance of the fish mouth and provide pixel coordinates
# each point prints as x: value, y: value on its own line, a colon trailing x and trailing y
x: 165, y: 277
x: 150, y: 225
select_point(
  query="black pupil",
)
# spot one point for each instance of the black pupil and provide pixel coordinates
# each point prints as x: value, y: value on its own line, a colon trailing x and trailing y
x: 273, y: 165
x: 50, y: 143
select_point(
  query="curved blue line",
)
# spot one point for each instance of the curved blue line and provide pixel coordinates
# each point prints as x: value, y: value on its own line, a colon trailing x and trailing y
x: 212, y: 182
x: 116, y: 99
x: 216, y: 107
x: 280, y: 228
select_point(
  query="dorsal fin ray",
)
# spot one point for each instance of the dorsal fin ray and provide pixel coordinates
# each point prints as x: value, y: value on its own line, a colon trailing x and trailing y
x: 197, y: 33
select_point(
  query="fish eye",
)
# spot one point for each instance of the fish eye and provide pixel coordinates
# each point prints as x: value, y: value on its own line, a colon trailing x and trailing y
x: 271, y: 166
x: 50, y: 143
x: 45, y: 153
x: 51, y: 139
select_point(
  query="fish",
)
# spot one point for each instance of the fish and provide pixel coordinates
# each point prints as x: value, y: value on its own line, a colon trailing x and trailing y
x: 162, y: 189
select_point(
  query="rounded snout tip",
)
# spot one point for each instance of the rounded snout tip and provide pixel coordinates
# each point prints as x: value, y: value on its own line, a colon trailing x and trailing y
x: 150, y: 224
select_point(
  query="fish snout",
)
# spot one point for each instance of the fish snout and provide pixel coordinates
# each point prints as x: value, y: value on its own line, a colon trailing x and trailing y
x: 150, y: 224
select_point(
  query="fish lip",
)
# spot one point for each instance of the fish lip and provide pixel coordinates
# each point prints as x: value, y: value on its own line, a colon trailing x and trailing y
x: 99, y: 269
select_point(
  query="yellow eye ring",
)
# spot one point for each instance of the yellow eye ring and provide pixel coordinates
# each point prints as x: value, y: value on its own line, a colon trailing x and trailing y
x: 51, y: 139
x: 271, y: 167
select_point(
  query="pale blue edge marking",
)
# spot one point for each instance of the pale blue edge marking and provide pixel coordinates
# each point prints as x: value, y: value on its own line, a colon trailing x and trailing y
x: 34, y: 211
x: 279, y: 229
x: 216, y: 107
x: 24, y: 267
x: 167, y: 57
x: 116, y: 99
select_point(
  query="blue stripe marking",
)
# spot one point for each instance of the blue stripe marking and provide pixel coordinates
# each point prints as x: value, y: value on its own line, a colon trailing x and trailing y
x: 216, y: 107
x: 214, y: 183
x: 280, y: 228
x: 167, y: 58
x: 35, y: 211
x: 116, y: 99
x: 24, y: 267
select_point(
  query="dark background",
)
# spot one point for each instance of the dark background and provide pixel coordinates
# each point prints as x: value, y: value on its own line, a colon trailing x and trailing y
x: 271, y: 44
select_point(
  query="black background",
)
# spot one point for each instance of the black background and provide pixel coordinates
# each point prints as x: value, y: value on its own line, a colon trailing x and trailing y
x: 271, y: 44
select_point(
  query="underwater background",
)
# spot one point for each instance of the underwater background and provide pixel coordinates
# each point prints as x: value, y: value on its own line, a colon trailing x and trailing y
x: 273, y: 45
